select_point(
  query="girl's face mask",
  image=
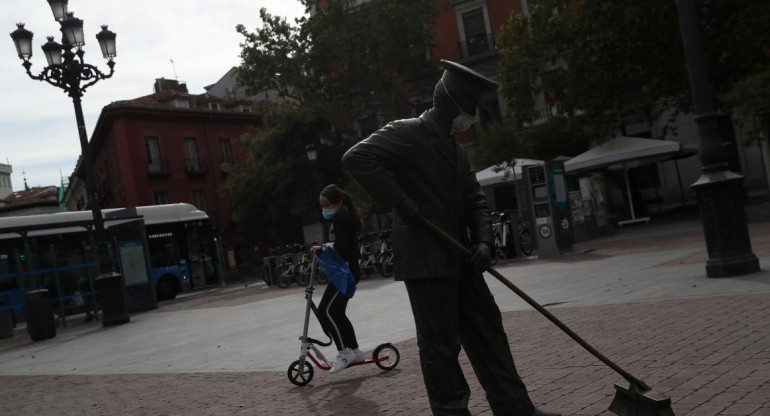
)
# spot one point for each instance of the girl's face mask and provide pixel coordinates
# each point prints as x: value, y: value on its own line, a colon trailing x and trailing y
x: 328, y: 213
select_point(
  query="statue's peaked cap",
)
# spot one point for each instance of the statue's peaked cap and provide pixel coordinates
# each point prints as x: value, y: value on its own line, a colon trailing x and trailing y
x: 461, y: 80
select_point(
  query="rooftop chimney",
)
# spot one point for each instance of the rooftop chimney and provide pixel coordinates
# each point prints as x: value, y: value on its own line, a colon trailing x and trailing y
x: 162, y: 84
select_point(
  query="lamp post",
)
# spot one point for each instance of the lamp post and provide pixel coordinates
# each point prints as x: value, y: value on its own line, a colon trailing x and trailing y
x: 67, y: 70
x: 719, y: 191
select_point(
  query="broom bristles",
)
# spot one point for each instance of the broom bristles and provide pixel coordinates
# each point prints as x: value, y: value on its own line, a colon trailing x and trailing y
x: 630, y: 402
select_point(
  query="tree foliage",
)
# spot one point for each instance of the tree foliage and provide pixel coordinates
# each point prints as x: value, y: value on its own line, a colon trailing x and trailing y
x: 615, y: 63
x: 276, y: 180
x: 343, y: 61
x: 339, y: 63
x: 562, y: 136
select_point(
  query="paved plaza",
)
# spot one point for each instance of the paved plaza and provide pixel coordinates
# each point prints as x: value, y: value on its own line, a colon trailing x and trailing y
x: 640, y: 297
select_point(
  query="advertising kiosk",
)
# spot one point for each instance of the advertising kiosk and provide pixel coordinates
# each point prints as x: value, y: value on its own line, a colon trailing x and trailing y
x: 547, y: 199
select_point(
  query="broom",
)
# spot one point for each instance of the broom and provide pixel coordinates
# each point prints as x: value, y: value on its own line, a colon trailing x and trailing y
x: 636, y: 399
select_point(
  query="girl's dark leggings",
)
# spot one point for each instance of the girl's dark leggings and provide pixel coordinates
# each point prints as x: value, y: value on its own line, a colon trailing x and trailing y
x: 331, y: 313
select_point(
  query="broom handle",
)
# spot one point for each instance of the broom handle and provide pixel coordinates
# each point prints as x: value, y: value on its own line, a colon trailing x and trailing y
x: 631, y: 379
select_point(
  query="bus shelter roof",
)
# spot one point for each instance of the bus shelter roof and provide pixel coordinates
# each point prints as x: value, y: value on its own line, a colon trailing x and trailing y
x: 76, y: 221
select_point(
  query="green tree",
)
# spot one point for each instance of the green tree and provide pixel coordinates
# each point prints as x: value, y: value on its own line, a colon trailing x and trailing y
x: 614, y: 63
x: 276, y: 183
x: 344, y: 61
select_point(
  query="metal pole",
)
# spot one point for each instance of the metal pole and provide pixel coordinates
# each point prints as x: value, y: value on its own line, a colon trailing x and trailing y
x: 62, y: 314
x: 719, y: 191
x: 112, y: 288
x: 628, y: 191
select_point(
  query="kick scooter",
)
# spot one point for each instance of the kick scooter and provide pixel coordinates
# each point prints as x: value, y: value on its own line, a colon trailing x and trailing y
x: 300, y: 372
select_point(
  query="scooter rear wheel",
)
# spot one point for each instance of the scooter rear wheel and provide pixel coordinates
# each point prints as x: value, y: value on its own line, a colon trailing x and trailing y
x: 391, y: 355
x: 300, y: 377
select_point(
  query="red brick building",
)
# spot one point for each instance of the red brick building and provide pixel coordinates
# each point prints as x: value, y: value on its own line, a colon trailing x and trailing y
x: 169, y: 147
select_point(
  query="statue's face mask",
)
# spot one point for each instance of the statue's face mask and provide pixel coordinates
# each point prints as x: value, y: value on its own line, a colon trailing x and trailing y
x: 464, y: 120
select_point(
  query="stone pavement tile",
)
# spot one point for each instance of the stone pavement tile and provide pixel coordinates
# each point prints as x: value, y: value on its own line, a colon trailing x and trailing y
x: 672, y: 345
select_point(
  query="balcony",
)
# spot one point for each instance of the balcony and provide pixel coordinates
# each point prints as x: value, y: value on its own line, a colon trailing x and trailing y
x: 196, y: 167
x: 544, y: 113
x: 159, y: 167
x: 475, y: 47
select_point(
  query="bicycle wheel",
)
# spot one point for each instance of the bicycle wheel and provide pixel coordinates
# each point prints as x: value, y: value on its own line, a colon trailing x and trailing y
x: 300, y: 377
x: 363, y: 266
x: 320, y: 275
x: 525, y: 238
x: 386, y: 269
x: 303, y: 275
x: 282, y: 274
x: 390, y: 355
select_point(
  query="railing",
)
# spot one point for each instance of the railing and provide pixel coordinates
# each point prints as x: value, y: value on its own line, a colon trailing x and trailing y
x: 477, y: 46
x: 545, y: 113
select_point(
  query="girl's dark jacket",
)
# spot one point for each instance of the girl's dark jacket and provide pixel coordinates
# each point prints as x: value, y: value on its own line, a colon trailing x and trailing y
x: 419, y: 159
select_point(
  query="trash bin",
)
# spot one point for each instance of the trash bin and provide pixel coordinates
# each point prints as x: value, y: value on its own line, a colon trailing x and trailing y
x: 113, y: 296
x: 269, y: 264
x: 6, y: 322
x: 38, y: 311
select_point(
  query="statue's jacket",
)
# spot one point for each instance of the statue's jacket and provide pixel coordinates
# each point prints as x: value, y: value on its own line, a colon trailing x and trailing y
x: 416, y: 158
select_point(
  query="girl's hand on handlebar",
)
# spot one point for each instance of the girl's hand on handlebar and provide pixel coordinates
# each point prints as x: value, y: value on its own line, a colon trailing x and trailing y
x: 316, y: 249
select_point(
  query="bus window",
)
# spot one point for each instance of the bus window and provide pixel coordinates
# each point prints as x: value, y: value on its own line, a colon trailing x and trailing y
x: 163, y: 250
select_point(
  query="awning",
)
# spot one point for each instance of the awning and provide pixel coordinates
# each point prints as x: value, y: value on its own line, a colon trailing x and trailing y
x: 624, y: 153
x: 489, y: 176
x: 628, y: 152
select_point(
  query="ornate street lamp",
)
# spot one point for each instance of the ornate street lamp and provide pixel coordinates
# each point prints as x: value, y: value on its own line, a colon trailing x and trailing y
x: 67, y: 70
x: 719, y: 190
x: 59, y: 8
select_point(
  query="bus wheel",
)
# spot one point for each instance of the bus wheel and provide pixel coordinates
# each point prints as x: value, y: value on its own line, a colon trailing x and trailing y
x: 167, y: 288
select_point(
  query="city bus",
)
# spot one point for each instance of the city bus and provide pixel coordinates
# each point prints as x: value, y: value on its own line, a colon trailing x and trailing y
x: 55, y: 251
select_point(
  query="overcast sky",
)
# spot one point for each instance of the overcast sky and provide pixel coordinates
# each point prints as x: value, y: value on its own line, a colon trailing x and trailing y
x: 38, y: 133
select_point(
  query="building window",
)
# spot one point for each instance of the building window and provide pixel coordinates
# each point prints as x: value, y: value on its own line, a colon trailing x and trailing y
x: 191, y: 154
x: 475, y: 32
x: 199, y: 196
x: 226, y: 151
x: 180, y: 103
x: 245, y: 109
x: 214, y: 106
x: 154, y: 163
x: 160, y: 197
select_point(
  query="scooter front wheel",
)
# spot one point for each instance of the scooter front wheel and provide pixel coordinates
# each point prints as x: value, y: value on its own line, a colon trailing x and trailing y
x: 298, y: 376
x: 386, y: 356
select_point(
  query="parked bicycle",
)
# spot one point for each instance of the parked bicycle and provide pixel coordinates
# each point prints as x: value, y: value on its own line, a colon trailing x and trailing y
x: 525, y: 237
x: 304, y: 268
x: 285, y: 271
x: 502, y: 234
x: 503, y: 231
x: 368, y: 260
x: 288, y: 270
x: 385, y: 255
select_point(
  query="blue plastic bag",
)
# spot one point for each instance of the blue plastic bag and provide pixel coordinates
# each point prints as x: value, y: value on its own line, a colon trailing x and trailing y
x: 337, y: 271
